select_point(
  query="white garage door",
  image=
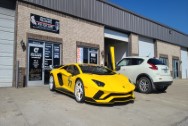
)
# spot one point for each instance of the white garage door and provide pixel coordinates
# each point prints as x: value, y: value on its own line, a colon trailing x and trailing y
x: 6, y: 46
x: 116, y: 35
x: 184, y: 64
x: 146, y: 47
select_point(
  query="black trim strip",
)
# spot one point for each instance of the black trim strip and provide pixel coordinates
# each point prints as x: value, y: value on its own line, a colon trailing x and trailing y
x: 65, y: 91
x: 90, y: 100
x: 60, y: 79
x: 100, y: 93
x: 116, y: 94
x: 122, y: 99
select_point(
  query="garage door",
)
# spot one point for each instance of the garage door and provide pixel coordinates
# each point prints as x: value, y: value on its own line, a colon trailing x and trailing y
x: 6, y: 46
x: 146, y: 47
x: 116, y: 35
x: 184, y: 64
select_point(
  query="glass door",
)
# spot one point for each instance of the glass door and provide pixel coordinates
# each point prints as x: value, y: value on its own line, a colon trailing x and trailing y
x: 52, y: 57
x: 35, y: 64
x: 175, y: 65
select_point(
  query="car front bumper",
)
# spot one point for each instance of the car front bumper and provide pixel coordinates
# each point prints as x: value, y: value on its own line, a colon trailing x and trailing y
x: 102, y: 97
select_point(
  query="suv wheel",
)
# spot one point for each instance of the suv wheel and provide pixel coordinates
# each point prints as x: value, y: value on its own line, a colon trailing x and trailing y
x: 144, y: 85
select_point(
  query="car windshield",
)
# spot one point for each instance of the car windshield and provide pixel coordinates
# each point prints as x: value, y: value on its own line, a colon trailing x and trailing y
x: 100, y: 70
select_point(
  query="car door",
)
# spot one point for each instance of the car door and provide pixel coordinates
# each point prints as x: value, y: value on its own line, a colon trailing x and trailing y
x: 65, y: 74
x: 125, y: 66
x: 130, y: 67
x: 70, y: 79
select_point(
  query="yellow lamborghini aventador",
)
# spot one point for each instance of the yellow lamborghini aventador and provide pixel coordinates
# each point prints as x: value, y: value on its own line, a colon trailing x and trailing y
x: 91, y: 83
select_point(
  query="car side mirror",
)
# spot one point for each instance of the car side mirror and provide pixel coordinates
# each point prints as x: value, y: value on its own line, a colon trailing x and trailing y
x: 51, y: 67
x: 118, y: 68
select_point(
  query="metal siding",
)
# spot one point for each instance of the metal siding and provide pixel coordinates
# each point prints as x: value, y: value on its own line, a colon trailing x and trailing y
x: 184, y: 64
x: 114, y: 17
x: 6, y: 46
x: 98, y: 11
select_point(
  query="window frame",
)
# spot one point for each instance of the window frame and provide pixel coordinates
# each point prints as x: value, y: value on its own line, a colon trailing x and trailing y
x: 163, y: 56
x: 131, y: 61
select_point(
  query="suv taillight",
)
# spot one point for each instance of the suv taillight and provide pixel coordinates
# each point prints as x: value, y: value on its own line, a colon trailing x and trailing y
x: 153, y: 67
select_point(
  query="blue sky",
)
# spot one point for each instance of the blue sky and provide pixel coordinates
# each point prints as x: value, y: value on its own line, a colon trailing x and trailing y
x: 173, y: 13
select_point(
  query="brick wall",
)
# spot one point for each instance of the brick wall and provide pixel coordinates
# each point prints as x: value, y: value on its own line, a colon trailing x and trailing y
x: 71, y: 31
x: 170, y: 50
x: 133, y: 45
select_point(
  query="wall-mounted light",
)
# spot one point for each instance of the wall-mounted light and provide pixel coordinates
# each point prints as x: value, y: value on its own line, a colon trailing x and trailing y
x: 23, y: 45
x: 102, y: 53
x: 170, y: 31
x: 180, y: 61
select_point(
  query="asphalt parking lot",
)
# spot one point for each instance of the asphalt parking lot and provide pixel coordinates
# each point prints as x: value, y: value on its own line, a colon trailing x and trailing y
x: 37, y: 106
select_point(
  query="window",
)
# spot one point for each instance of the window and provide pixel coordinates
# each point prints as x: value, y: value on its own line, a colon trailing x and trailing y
x: 100, y: 70
x: 155, y: 61
x: 164, y: 60
x: 72, y: 69
x: 136, y: 61
x: 124, y: 62
x: 130, y: 61
x: 52, y: 54
x: 87, y: 55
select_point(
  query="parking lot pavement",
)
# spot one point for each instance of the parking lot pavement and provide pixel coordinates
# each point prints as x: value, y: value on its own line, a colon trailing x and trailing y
x: 37, y: 106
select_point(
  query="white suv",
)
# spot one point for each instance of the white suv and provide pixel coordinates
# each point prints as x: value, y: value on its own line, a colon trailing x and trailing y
x: 146, y: 73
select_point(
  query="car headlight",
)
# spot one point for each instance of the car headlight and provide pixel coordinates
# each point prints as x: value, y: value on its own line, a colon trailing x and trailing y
x: 99, y: 83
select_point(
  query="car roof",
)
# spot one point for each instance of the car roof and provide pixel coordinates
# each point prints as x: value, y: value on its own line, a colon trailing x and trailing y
x: 83, y: 64
x: 138, y: 57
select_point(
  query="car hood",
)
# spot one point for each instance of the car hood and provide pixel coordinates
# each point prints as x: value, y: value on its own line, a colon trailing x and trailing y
x: 113, y: 83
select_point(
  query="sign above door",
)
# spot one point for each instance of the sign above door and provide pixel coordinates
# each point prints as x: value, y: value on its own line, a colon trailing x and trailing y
x: 44, y: 23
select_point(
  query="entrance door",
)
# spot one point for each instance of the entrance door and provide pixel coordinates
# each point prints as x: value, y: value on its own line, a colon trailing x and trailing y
x: 175, y: 68
x: 35, y: 64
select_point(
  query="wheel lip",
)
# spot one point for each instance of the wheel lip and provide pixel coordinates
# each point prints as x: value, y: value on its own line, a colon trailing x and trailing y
x: 51, y: 82
x: 77, y: 89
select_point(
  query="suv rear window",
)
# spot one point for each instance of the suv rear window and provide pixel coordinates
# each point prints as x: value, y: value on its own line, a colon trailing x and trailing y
x: 155, y: 62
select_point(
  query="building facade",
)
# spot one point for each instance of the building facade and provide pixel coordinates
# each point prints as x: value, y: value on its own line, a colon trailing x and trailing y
x: 38, y: 33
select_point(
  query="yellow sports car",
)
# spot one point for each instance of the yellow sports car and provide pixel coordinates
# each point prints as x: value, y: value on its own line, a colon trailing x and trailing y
x: 91, y: 83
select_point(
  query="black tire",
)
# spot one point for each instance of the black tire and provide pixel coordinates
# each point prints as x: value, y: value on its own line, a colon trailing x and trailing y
x: 144, y: 85
x: 79, y: 92
x: 51, y: 83
x: 161, y: 89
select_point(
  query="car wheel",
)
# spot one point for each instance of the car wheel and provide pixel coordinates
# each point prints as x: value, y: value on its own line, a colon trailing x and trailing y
x: 161, y: 89
x: 51, y: 83
x: 144, y: 85
x: 79, y: 91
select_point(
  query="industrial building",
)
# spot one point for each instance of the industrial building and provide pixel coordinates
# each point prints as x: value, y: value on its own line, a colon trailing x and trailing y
x: 37, y: 33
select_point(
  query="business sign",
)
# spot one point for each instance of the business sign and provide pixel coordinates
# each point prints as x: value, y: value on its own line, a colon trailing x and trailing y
x: 48, y: 55
x: 35, y: 63
x: 79, y: 55
x: 56, y: 54
x: 44, y: 23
